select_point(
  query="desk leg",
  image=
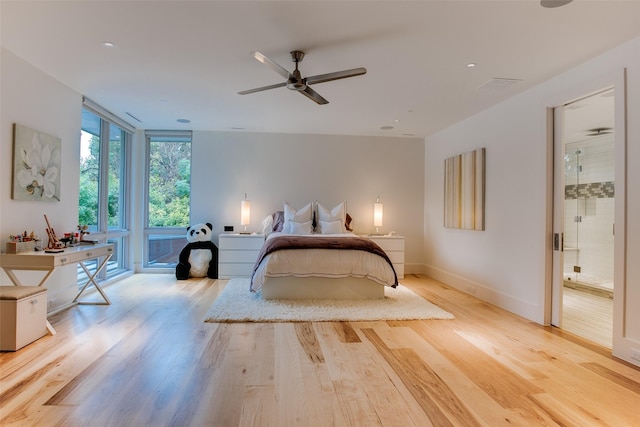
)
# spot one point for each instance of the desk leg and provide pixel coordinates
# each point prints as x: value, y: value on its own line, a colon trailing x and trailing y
x: 12, y: 277
x: 92, y: 280
x: 50, y: 328
x: 16, y: 282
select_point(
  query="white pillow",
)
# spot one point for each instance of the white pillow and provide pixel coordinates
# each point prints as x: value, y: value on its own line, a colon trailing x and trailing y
x: 301, y: 227
x: 330, y: 227
x: 338, y: 213
x: 303, y: 214
x: 267, y: 225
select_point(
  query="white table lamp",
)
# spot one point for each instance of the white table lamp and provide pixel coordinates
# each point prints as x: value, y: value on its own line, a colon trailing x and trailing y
x: 245, y: 213
x: 377, y: 214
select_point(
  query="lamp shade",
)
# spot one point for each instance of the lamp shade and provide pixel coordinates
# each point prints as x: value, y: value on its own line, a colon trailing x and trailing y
x: 245, y: 211
x: 377, y: 213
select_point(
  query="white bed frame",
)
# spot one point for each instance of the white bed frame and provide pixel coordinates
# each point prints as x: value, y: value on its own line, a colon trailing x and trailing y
x: 291, y: 287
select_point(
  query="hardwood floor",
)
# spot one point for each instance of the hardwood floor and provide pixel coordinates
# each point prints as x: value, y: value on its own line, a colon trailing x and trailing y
x: 588, y: 315
x: 149, y: 359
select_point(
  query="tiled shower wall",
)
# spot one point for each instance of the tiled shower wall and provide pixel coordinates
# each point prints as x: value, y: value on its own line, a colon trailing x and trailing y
x: 589, y: 194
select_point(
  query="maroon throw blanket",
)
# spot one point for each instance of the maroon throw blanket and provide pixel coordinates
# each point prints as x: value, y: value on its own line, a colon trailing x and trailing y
x: 312, y: 242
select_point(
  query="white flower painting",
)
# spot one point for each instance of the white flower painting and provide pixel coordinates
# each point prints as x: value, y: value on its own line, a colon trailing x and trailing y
x: 36, y: 165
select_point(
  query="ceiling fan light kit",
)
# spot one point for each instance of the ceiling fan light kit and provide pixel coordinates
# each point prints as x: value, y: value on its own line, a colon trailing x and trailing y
x: 295, y: 81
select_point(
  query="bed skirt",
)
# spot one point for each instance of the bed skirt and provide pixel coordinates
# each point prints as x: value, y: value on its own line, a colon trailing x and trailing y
x: 291, y: 287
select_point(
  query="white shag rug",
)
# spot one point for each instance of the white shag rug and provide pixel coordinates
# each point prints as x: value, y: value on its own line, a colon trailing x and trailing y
x: 237, y: 304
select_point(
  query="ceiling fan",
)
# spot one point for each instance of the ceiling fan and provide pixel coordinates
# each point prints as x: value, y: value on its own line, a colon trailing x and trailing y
x: 295, y: 81
x: 599, y: 131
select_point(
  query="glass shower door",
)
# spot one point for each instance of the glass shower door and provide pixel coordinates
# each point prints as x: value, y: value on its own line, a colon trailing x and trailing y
x: 589, y: 214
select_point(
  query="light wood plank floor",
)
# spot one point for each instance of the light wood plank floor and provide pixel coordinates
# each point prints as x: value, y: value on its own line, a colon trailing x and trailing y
x: 150, y: 360
x: 588, y: 315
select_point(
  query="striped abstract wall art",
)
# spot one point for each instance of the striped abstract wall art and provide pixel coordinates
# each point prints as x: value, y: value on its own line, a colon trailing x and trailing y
x: 464, y: 180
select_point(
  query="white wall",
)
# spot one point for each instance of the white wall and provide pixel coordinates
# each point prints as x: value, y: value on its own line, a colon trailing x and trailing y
x: 299, y: 169
x: 506, y: 263
x: 31, y: 98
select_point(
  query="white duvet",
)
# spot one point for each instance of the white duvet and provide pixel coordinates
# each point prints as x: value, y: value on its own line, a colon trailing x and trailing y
x: 331, y: 263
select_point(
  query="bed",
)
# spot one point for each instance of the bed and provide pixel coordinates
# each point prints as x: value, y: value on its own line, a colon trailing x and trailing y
x: 323, y: 260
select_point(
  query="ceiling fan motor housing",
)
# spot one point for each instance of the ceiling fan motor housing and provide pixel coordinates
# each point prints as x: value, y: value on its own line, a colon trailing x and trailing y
x: 296, y: 84
x: 295, y: 80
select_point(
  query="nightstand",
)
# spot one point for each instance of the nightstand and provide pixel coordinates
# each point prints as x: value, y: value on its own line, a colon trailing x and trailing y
x: 237, y: 254
x: 393, y: 246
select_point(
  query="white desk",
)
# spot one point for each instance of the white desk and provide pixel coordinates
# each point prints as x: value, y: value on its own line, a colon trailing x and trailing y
x: 43, y: 261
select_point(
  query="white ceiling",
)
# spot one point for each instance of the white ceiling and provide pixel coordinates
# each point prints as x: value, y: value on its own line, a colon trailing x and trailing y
x: 187, y: 60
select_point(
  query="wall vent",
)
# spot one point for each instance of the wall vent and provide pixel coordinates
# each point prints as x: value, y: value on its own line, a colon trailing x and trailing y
x: 498, y: 83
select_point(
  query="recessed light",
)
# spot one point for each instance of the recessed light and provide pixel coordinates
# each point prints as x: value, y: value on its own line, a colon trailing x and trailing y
x: 108, y: 44
x: 471, y: 65
x: 386, y: 127
x: 183, y: 121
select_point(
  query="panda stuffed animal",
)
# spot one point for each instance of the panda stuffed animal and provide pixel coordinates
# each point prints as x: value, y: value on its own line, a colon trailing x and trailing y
x: 199, y: 258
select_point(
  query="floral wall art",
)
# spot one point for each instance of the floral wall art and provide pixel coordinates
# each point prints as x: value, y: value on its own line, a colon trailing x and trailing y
x: 36, y: 165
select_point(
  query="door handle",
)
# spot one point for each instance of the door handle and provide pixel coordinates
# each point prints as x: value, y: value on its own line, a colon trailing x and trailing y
x: 558, y: 241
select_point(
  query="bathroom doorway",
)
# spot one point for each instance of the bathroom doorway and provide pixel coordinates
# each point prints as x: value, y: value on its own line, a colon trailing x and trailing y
x: 586, y: 157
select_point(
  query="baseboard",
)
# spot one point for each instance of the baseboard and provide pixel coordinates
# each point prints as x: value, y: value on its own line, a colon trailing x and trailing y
x: 415, y: 269
x: 514, y: 305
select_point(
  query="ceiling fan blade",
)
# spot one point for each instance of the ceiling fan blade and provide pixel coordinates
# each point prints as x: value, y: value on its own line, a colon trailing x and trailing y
x: 321, y: 78
x: 260, y: 89
x: 313, y: 95
x: 271, y: 64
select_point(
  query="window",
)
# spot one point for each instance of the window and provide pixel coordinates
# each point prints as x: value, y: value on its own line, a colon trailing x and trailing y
x: 168, y: 196
x: 103, y: 197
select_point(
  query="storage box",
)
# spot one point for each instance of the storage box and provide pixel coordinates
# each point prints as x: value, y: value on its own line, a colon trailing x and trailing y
x: 17, y: 247
x: 23, y: 316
